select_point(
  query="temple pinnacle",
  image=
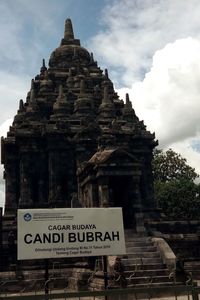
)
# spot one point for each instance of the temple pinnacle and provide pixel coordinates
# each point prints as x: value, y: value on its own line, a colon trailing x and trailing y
x: 69, y: 34
x: 127, y: 98
x: 21, y: 105
x: 106, y: 98
x: 32, y: 96
x: 128, y: 102
x: 82, y: 87
x: 61, y: 96
x: 43, y: 68
x: 106, y: 74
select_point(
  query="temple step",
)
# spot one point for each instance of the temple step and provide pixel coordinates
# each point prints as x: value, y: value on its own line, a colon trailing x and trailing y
x: 142, y: 262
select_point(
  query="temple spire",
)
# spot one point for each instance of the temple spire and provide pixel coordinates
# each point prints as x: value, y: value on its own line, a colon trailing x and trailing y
x: 32, y: 96
x: 21, y: 105
x: 106, y: 74
x: 32, y: 93
x: 82, y: 88
x: 61, y: 96
x: 83, y: 105
x: 107, y: 82
x: 61, y: 107
x: 128, y: 102
x: 92, y: 57
x: 69, y: 34
x: 19, y: 118
x: 128, y: 111
x: 106, y: 98
x: 70, y: 79
x: 43, y: 68
x: 32, y: 103
x: 60, y: 92
x: 107, y: 108
x: 32, y: 84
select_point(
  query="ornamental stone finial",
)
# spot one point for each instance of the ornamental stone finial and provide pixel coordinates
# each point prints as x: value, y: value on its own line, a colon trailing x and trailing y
x: 32, y: 96
x: 43, y: 63
x: 60, y: 91
x: 61, y: 95
x: 106, y: 98
x: 128, y: 102
x: 127, y: 98
x: 32, y: 84
x: 106, y: 73
x: 21, y: 105
x: 92, y: 57
x: 69, y: 34
x: 82, y: 87
x: 43, y: 68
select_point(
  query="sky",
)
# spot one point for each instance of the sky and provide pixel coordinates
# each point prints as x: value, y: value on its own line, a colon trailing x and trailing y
x: 150, y: 47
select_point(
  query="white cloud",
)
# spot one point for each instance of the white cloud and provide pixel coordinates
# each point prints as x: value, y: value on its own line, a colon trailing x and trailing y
x: 134, y: 30
x: 12, y: 89
x: 168, y: 99
x: 26, y: 28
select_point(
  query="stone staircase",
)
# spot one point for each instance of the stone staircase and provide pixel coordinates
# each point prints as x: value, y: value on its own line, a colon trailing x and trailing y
x: 142, y: 262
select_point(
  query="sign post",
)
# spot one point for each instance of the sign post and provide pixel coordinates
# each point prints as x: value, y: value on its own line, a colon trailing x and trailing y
x: 1, y: 244
x: 46, y: 275
x: 105, y: 274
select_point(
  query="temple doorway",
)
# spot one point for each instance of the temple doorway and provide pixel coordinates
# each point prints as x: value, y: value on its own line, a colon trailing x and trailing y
x: 121, y: 195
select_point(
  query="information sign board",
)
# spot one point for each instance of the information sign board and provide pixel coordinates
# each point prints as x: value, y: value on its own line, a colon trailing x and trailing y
x: 70, y: 232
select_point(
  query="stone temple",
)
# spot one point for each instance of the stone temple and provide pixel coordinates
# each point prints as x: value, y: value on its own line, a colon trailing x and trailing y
x: 74, y: 143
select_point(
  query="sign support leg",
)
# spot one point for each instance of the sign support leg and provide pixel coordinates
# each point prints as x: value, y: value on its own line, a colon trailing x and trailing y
x: 105, y: 274
x: 1, y: 238
x: 46, y: 275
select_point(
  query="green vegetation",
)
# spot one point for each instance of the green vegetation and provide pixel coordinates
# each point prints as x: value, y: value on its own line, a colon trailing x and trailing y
x: 175, y: 190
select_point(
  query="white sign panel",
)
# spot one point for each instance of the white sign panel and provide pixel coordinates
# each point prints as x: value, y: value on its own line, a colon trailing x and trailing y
x: 70, y: 232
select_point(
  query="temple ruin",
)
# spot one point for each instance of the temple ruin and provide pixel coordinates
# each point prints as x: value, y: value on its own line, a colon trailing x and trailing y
x: 74, y: 143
